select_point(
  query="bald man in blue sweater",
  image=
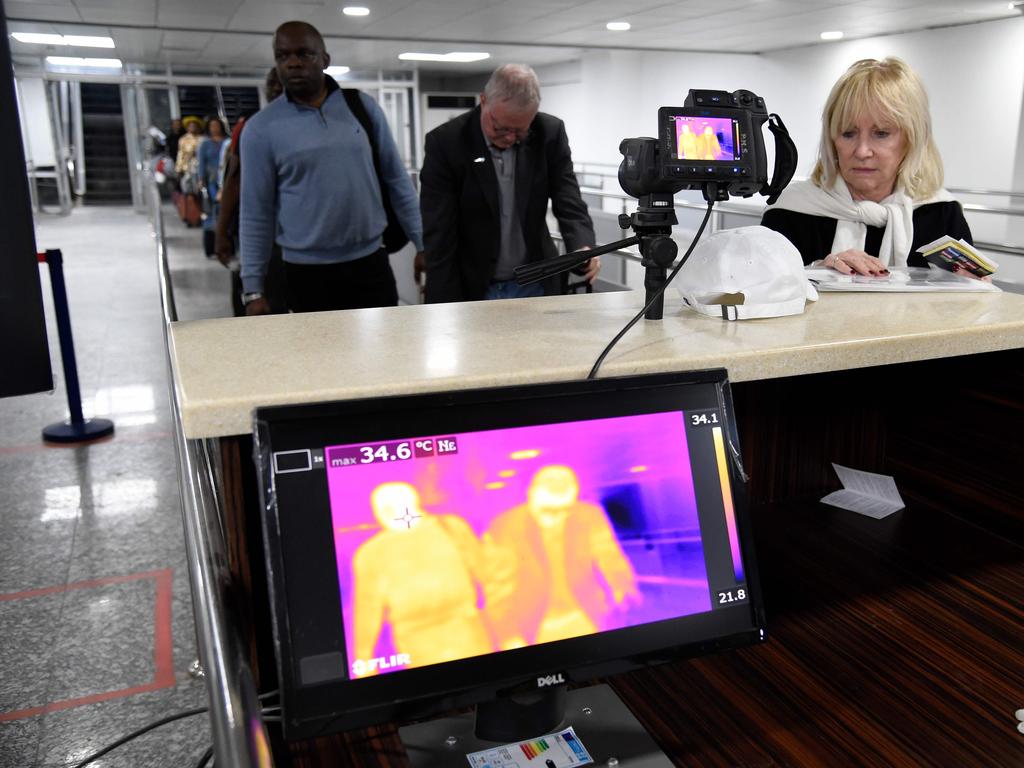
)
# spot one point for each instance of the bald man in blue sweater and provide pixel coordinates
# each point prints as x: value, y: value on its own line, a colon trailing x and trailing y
x: 309, y: 184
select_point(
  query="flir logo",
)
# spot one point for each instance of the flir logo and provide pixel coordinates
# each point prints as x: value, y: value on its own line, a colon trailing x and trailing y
x: 543, y: 682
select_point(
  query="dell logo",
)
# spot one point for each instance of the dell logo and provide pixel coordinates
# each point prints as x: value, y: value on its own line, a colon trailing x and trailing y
x: 550, y: 680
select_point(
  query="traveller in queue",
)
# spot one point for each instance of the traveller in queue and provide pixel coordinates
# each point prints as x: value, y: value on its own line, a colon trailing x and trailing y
x: 485, y: 185
x: 876, y: 193
x: 227, y: 220
x: 309, y: 183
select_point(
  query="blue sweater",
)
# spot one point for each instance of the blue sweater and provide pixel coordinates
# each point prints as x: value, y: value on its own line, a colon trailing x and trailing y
x: 308, y: 183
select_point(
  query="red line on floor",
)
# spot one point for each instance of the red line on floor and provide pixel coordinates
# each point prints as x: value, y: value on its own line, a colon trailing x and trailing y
x: 57, y: 706
x: 88, y: 584
x: 163, y: 642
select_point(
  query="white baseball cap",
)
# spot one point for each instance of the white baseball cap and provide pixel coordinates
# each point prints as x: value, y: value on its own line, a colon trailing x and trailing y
x: 745, y: 273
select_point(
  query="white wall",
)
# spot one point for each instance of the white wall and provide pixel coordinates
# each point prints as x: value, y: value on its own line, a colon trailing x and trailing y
x: 35, y: 121
x: 618, y: 93
x: 972, y: 73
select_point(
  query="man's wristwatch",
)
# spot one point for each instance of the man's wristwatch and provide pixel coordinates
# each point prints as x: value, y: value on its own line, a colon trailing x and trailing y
x: 247, y: 297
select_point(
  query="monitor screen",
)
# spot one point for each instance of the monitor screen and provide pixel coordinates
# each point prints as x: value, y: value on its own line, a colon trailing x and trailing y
x: 706, y: 138
x: 430, y: 551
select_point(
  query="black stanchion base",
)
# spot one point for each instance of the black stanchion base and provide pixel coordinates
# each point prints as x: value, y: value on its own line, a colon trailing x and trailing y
x: 84, y: 432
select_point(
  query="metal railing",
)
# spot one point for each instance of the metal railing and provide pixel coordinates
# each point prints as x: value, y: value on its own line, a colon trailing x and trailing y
x: 755, y: 211
x: 235, y: 721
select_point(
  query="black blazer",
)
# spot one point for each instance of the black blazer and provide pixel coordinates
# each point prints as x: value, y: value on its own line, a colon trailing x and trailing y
x: 461, y: 216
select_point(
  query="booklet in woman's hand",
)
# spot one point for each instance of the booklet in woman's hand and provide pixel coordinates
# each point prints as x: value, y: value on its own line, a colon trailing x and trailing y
x: 947, y: 253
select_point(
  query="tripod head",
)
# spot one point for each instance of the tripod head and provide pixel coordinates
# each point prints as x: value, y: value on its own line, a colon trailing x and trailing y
x: 652, y: 222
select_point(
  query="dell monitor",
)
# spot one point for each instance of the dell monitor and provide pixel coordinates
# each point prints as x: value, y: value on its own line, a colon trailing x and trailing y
x: 432, y: 551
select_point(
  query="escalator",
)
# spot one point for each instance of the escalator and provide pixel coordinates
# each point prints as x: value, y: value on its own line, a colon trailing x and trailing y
x: 106, y: 156
x: 202, y: 101
x: 239, y: 102
x: 198, y: 100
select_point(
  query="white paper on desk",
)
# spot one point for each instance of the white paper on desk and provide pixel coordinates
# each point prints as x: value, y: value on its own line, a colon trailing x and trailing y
x: 865, y: 493
x: 899, y: 280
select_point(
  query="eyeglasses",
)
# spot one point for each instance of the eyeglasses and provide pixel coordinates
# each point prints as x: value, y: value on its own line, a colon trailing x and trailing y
x: 303, y: 54
x: 520, y: 134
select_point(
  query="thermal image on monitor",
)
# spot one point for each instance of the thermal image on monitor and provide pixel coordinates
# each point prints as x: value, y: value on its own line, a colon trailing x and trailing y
x: 705, y: 138
x: 459, y: 545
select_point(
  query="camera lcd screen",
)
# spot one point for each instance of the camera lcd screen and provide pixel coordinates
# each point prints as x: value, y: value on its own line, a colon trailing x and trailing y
x: 706, y: 138
x: 458, y: 545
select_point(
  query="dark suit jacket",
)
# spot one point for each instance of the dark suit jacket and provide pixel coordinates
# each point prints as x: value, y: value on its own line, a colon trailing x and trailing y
x: 459, y: 202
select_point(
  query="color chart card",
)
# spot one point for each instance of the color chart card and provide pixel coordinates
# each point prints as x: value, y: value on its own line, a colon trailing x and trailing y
x: 557, y: 750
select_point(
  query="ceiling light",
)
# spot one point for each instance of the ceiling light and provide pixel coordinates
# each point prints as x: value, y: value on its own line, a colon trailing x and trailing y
x: 355, y: 10
x: 38, y: 38
x: 85, y: 41
x: 458, y: 57
x: 335, y: 71
x: 618, y: 26
x: 833, y: 35
x: 74, y: 61
x: 88, y: 41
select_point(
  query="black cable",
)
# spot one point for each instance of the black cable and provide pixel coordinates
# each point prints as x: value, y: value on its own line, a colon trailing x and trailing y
x: 136, y: 734
x: 169, y: 719
x: 642, y: 312
x: 205, y: 758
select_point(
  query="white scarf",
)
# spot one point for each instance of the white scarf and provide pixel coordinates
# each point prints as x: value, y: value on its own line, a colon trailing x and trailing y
x: 895, y: 213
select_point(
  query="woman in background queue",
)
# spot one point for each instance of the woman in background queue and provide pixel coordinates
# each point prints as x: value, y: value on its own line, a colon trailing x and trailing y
x: 876, y: 193
x: 209, y: 154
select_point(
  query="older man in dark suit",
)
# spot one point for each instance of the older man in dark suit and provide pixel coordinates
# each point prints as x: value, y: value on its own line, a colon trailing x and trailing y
x: 486, y: 180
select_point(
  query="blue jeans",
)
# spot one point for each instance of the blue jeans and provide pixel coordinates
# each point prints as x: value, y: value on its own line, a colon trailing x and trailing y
x: 510, y: 289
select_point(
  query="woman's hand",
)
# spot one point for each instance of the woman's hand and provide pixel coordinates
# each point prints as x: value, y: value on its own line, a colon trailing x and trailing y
x: 854, y: 262
x: 958, y: 270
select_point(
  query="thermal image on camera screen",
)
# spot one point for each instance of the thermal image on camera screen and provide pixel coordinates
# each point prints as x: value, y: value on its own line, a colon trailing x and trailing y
x: 453, y: 546
x: 705, y: 138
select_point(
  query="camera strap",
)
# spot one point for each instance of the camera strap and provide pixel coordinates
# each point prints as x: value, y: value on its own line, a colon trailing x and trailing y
x: 785, y: 159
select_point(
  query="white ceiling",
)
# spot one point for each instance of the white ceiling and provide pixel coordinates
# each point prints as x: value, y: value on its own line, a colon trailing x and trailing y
x: 235, y: 34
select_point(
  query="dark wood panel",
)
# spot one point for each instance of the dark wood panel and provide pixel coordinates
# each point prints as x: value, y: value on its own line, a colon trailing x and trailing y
x: 951, y: 431
x: 245, y: 556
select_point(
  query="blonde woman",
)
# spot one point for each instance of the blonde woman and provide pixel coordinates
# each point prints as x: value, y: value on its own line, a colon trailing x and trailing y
x: 876, y: 193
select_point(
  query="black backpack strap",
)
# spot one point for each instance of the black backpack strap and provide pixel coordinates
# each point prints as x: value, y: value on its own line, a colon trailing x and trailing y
x: 358, y: 109
x: 394, y: 236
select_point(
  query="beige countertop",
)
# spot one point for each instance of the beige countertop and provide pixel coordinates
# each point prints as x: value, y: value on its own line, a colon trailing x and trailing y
x: 225, y: 368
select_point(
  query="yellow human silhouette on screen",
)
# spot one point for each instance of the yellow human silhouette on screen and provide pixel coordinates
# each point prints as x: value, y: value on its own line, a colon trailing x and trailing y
x: 708, y: 146
x: 419, y: 575
x: 557, y: 570
x: 687, y: 144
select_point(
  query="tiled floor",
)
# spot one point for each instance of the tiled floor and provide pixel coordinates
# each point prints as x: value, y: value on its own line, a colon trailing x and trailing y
x: 96, y: 629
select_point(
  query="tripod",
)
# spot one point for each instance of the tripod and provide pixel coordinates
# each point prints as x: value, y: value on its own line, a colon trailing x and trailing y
x: 652, y: 222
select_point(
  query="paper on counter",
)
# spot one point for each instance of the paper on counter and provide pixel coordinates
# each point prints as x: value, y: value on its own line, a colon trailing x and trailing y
x: 557, y: 750
x: 865, y: 493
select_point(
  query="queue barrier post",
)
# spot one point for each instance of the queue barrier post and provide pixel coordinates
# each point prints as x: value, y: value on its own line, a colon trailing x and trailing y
x: 76, y: 429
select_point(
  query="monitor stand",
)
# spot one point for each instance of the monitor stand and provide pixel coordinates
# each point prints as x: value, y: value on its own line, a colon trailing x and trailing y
x: 603, y: 724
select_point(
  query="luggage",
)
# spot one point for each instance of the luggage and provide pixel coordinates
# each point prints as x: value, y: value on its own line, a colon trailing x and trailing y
x: 190, y: 210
